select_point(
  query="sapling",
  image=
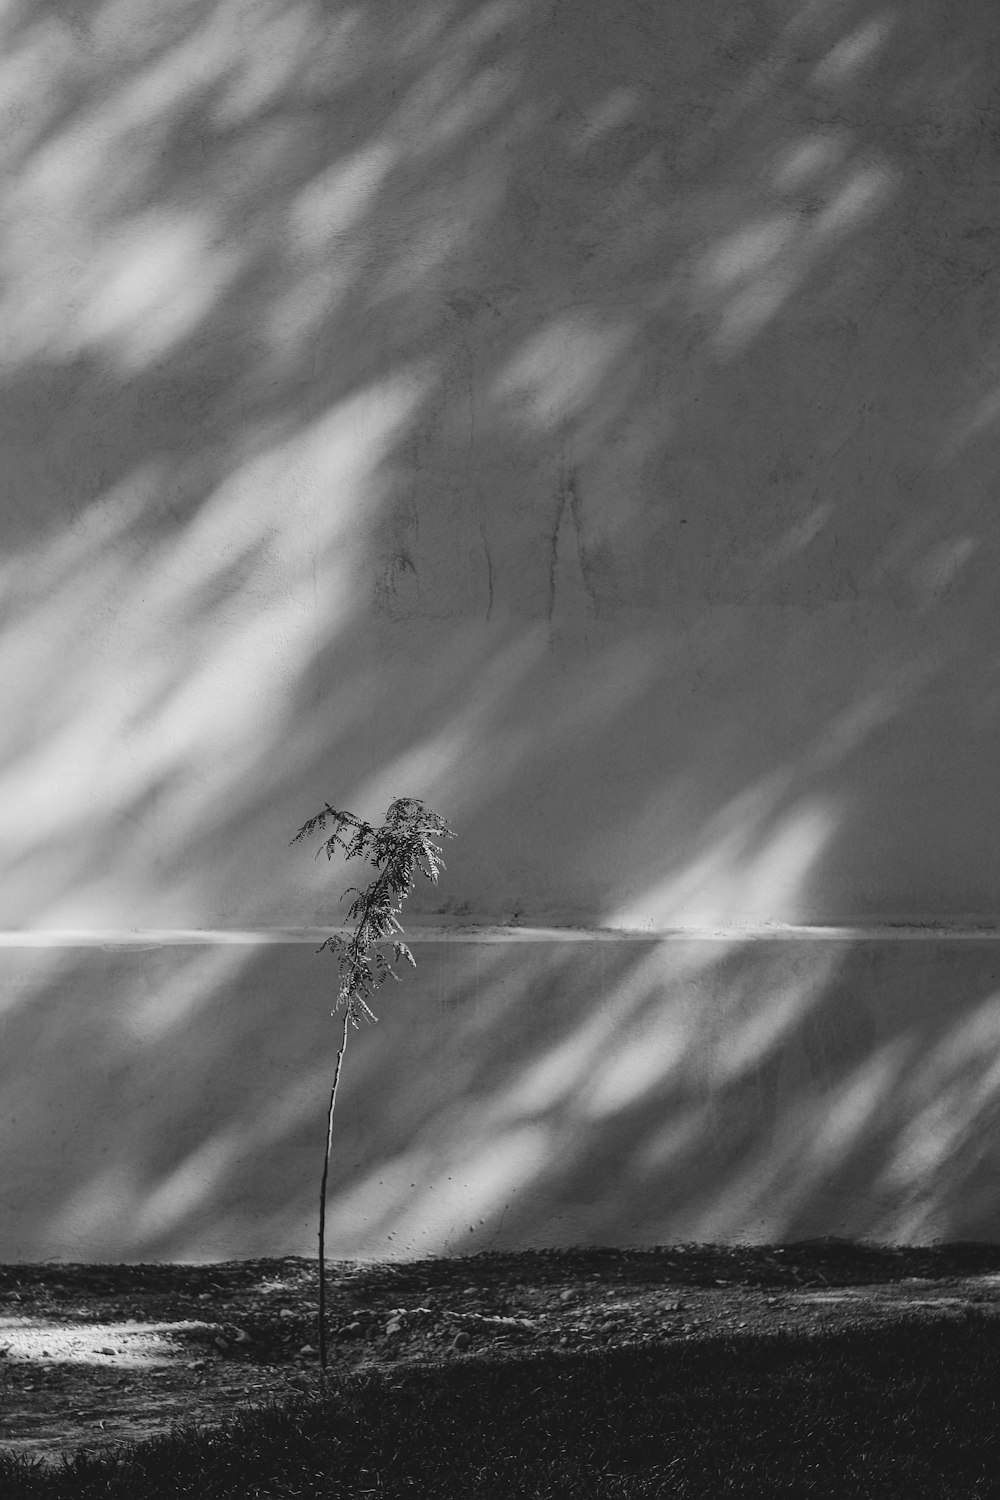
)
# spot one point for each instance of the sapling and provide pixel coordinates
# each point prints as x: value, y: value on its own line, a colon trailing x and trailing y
x: 402, y: 845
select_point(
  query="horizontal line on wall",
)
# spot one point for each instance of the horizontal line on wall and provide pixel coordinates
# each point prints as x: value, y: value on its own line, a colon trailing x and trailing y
x: 113, y: 939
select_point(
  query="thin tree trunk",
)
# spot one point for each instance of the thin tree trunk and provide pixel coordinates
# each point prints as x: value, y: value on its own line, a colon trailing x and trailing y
x: 322, y: 1200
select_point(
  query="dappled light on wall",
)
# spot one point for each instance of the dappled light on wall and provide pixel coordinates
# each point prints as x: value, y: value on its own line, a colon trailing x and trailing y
x: 948, y: 1114
x: 854, y: 52
x: 584, y: 418
x: 559, y: 372
x: 412, y: 380
x: 172, y: 703
x: 740, y: 878
x: 744, y: 280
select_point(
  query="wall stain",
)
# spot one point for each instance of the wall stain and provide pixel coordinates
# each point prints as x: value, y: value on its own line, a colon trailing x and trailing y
x: 569, y: 512
x: 554, y: 552
x: 387, y: 585
x: 489, y: 572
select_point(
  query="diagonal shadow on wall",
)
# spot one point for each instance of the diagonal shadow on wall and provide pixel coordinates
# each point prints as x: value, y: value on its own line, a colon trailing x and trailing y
x: 584, y: 421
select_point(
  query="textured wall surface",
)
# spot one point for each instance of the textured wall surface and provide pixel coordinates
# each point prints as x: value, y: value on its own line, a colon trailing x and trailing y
x: 170, y: 1104
x: 582, y: 417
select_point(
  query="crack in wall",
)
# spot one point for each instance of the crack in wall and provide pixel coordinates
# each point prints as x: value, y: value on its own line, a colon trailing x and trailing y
x: 489, y: 572
x: 554, y: 551
x: 568, y: 514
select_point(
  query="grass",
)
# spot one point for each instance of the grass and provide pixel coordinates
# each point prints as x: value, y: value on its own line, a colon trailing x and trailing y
x: 910, y: 1410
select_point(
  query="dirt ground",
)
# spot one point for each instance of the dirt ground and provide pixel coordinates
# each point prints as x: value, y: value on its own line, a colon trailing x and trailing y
x: 97, y: 1355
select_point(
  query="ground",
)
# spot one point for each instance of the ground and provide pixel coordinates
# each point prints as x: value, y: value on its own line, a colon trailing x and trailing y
x: 96, y: 1355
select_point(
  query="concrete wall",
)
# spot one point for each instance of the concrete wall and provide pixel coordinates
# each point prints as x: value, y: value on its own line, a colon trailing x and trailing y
x: 170, y: 1103
x: 581, y: 417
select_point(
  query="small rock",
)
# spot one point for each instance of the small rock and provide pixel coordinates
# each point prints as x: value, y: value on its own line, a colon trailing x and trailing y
x: 352, y: 1329
x: 241, y: 1336
x: 461, y: 1340
x: 221, y: 1344
x: 285, y: 1312
x: 307, y: 1349
x: 196, y: 1364
x: 107, y: 1351
x: 393, y: 1326
x: 566, y: 1296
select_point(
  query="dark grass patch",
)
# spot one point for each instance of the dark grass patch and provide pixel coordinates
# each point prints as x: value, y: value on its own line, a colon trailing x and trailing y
x: 912, y: 1410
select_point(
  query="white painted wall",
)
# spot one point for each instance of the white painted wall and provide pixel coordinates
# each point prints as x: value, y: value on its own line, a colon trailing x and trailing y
x: 581, y: 417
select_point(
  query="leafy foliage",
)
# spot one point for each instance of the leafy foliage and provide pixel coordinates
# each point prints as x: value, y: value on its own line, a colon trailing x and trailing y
x: 405, y: 844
